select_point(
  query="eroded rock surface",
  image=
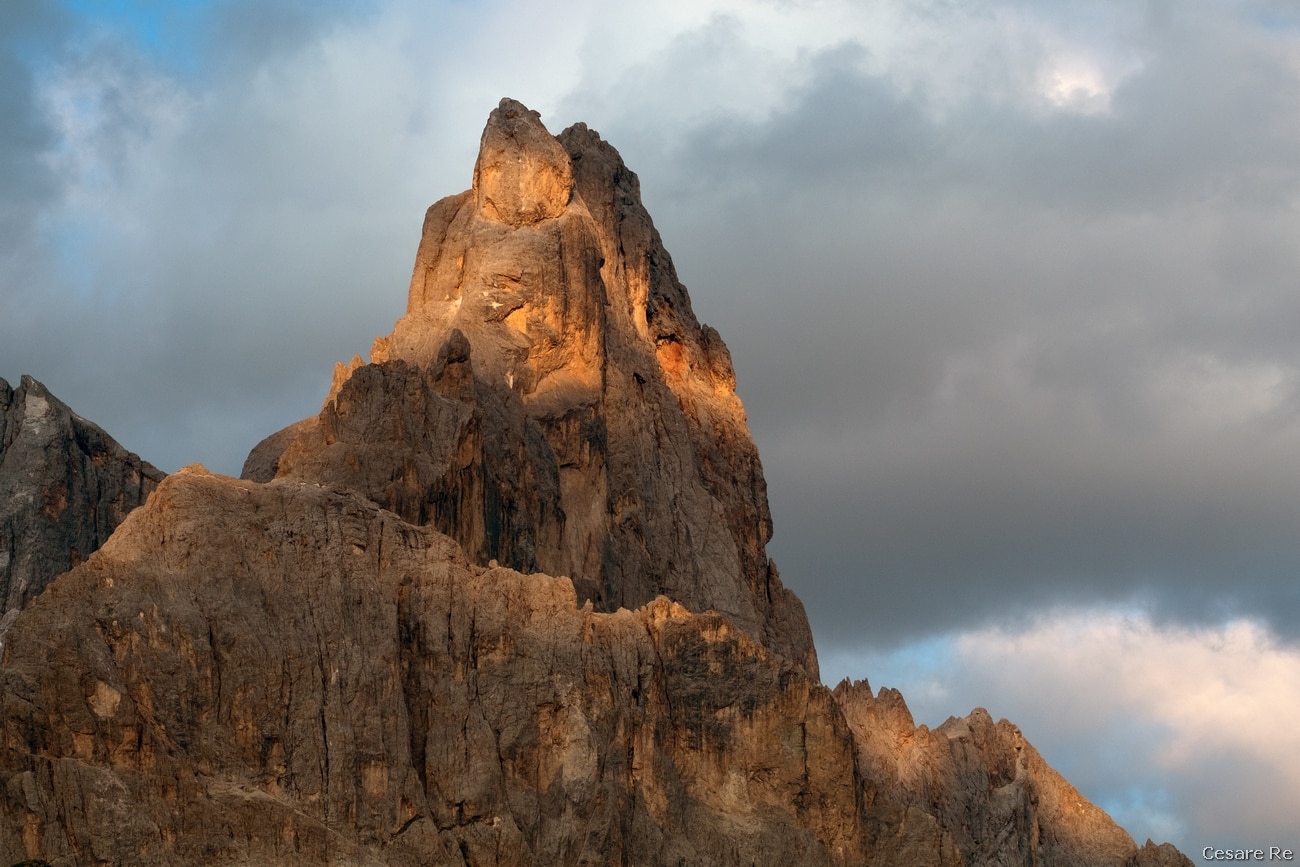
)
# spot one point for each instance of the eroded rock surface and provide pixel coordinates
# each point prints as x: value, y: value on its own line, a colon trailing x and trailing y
x: 551, y: 402
x: 65, y: 485
x: 984, y: 789
x: 287, y: 674
x: 325, y: 664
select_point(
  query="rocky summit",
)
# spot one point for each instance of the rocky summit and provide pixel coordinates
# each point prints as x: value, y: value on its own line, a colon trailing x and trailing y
x: 550, y: 401
x: 504, y: 601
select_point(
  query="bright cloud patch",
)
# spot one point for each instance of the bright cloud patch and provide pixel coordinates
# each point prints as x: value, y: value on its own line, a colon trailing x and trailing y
x: 1181, y: 733
x: 1211, y: 394
x: 1074, y: 83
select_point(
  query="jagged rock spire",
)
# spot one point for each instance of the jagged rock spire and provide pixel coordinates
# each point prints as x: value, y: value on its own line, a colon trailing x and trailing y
x: 522, y: 175
x: 550, y: 400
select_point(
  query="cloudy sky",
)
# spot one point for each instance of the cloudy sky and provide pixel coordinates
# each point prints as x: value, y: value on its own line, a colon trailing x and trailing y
x: 1011, y: 287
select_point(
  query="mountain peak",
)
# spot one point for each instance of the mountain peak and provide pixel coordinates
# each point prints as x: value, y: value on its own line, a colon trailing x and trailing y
x: 357, y: 655
x: 522, y: 175
x: 550, y: 400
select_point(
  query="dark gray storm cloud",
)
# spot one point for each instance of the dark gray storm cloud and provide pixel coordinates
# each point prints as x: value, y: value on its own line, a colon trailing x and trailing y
x: 27, y: 29
x: 998, y: 359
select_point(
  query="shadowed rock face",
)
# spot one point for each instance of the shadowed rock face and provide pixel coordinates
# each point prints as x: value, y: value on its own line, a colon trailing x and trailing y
x: 551, y: 402
x: 65, y: 485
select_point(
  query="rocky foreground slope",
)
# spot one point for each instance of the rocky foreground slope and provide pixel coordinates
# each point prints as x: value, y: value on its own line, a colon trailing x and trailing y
x: 355, y: 655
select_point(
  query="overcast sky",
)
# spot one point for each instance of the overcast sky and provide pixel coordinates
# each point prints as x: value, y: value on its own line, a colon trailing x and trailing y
x: 1011, y: 288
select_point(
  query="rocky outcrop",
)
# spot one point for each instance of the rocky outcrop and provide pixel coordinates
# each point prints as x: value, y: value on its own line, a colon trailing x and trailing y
x: 287, y: 674
x: 983, y: 788
x: 65, y: 485
x: 550, y: 401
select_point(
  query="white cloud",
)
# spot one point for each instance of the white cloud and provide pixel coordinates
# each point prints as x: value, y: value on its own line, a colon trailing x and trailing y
x: 1076, y: 83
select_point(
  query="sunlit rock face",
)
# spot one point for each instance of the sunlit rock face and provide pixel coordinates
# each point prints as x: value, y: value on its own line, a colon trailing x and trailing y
x: 550, y: 400
x: 977, y: 792
x: 522, y: 175
x: 65, y: 485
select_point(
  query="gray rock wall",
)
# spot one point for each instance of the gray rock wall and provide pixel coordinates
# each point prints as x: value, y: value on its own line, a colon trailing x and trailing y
x: 65, y: 485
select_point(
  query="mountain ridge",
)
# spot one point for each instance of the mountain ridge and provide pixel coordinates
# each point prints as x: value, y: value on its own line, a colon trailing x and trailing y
x: 355, y: 654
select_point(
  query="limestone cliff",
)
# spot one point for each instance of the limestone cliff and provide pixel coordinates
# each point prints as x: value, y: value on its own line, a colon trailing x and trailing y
x: 65, y: 485
x: 550, y: 401
x: 287, y: 674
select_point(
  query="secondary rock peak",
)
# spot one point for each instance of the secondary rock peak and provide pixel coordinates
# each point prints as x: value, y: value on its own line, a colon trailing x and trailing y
x: 523, y: 174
